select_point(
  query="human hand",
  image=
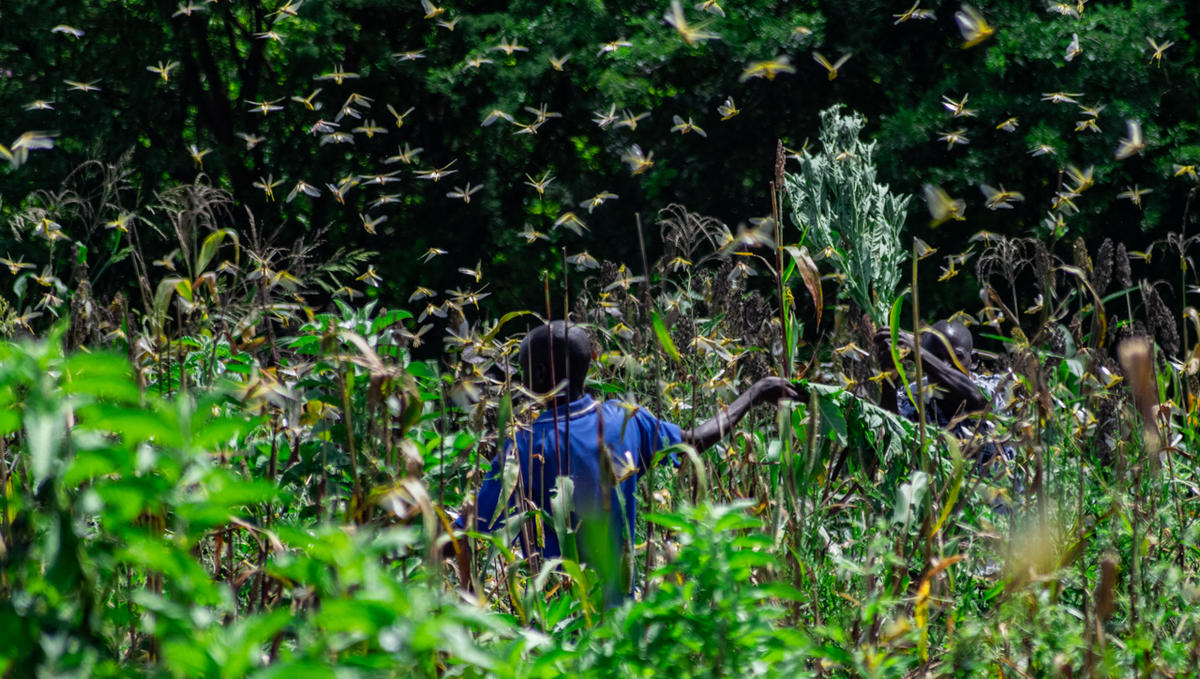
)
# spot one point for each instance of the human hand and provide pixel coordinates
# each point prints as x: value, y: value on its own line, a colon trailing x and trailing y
x: 774, y: 389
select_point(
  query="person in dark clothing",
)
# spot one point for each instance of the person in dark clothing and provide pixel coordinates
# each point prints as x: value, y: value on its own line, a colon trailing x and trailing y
x: 954, y: 393
x: 947, y: 357
x: 601, y: 447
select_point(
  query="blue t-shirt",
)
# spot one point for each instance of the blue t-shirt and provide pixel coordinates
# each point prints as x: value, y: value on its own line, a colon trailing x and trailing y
x: 632, y: 436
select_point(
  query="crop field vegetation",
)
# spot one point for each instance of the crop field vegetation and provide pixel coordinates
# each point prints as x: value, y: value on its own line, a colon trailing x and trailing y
x: 258, y: 353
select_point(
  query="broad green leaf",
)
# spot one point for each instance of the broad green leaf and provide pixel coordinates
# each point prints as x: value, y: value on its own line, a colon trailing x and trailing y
x: 184, y: 287
x: 208, y: 249
x: 359, y: 616
x: 123, y: 500
x: 162, y: 297
x: 752, y: 540
x: 211, y: 433
x: 229, y: 491
x: 562, y: 503
x: 44, y: 432
x: 550, y: 567
x: 664, y: 337
x: 100, y: 374
x: 133, y: 425
x: 735, y: 521
x: 894, y: 328
x: 388, y: 319
x: 833, y: 417
x: 10, y: 421
x: 504, y: 414
x: 582, y: 583
x: 243, y: 641
x: 782, y: 590
x: 749, y: 559
x: 510, y: 472
x: 491, y: 334
x: 674, y: 522
x: 908, y: 498
x: 304, y: 344
x: 90, y: 464
x: 187, y: 657
x: 834, y: 654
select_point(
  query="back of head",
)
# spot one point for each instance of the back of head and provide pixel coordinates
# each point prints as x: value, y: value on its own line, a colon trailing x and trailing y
x: 954, y: 333
x: 555, y: 352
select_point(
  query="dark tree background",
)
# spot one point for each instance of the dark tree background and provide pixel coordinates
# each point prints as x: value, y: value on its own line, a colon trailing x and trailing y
x: 222, y: 55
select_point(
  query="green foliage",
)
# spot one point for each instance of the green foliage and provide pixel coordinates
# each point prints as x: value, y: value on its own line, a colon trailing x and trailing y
x: 201, y: 512
x: 215, y: 462
x: 708, y: 616
x: 846, y: 215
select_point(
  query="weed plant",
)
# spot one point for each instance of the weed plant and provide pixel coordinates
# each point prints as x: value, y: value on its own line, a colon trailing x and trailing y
x: 215, y: 478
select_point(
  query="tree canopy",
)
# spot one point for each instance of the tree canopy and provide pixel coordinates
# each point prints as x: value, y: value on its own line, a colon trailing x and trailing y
x: 338, y: 115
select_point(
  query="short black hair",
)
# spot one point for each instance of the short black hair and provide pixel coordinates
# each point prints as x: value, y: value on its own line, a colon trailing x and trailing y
x: 570, y: 347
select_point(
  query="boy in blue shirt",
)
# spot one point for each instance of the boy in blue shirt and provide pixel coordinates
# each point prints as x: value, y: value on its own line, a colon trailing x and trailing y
x: 568, y: 439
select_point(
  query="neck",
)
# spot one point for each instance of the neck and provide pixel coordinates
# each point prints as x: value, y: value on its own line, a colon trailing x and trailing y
x: 565, y: 398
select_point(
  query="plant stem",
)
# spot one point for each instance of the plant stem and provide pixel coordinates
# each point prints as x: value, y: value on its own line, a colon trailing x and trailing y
x: 784, y: 317
x: 654, y: 392
x: 920, y: 395
x: 348, y: 420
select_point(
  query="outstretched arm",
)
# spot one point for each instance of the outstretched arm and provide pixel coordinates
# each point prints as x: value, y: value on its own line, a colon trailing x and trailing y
x: 767, y: 389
